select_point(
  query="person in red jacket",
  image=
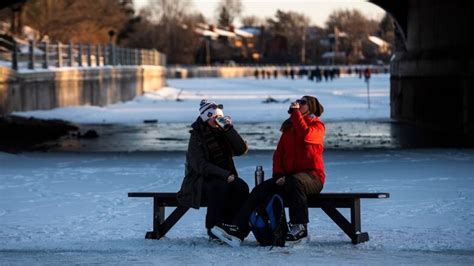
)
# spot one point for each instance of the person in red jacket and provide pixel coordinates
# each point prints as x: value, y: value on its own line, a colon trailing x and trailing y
x: 298, y: 171
x: 298, y: 161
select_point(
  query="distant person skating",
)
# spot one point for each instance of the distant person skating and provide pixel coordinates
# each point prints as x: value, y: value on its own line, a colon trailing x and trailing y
x: 292, y: 73
x: 312, y: 74
x: 367, y: 74
x: 319, y: 75
x: 210, y: 172
x: 298, y: 171
x: 326, y: 74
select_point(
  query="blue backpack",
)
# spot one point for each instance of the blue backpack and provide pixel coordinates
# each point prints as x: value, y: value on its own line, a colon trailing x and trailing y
x: 268, y: 222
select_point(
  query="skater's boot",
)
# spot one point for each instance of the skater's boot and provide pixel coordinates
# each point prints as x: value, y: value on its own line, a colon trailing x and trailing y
x: 228, y: 233
x: 297, y: 232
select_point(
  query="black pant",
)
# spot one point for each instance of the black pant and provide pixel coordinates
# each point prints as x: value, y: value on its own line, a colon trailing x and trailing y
x: 294, y: 193
x: 224, y: 200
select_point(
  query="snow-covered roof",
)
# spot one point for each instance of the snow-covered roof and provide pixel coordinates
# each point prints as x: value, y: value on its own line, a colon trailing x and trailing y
x: 224, y: 32
x: 378, y: 41
x: 206, y: 33
x: 205, y: 30
x: 243, y: 33
x: 252, y: 30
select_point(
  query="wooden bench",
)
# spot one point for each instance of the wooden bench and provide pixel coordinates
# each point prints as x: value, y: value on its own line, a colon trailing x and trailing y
x: 328, y: 202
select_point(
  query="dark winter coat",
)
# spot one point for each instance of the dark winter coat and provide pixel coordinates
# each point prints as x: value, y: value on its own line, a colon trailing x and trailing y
x: 201, y: 165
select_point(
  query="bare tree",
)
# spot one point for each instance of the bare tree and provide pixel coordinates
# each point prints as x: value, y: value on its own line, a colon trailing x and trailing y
x: 387, y: 29
x: 78, y: 21
x: 292, y: 26
x: 168, y: 26
x: 162, y: 11
x: 227, y: 11
x: 252, y: 21
x: 357, y: 29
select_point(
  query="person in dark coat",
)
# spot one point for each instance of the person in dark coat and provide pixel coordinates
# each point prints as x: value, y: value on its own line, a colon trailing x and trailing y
x: 292, y: 73
x: 255, y: 73
x: 210, y: 173
x: 318, y: 74
x: 367, y: 74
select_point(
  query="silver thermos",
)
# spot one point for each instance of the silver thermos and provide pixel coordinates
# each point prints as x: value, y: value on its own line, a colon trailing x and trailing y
x: 259, y: 175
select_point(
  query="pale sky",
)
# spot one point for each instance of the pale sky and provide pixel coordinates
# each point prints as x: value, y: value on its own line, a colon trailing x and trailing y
x: 316, y: 10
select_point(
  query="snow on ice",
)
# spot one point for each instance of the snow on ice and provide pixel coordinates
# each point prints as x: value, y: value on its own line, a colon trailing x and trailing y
x: 69, y: 208
x: 343, y: 99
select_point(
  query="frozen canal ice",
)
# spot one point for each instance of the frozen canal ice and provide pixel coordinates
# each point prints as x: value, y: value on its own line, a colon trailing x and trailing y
x: 69, y: 208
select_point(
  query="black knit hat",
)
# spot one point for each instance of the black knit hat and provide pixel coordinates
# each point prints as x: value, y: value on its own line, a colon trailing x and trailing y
x: 314, y: 106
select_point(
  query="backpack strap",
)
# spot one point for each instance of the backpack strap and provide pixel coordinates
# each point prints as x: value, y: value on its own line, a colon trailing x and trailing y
x: 280, y: 220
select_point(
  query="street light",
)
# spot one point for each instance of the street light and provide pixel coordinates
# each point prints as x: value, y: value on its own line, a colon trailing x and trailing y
x: 208, y: 51
x: 111, y: 35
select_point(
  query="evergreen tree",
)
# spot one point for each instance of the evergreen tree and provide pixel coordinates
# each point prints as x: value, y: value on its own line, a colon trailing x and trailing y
x: 224, y: 20
x: 227, y: 11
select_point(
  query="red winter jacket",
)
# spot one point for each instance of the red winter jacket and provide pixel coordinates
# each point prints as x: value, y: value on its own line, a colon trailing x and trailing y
x: 300, y: 148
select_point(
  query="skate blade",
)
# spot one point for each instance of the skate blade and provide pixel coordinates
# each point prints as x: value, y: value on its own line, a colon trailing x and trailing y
x: 216, y: 241
x: 300, y: 241
x: 226, y: 238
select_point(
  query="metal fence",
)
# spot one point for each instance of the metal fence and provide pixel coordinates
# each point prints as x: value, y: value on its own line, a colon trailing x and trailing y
x: 46, y: 55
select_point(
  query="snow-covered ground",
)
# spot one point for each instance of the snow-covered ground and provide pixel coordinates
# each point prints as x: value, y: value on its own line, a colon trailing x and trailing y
x: 73, y: 209
x: 344, y: 99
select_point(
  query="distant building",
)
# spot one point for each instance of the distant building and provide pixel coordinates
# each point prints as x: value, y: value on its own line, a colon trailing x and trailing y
x: 383, y: 46
x: 225, y: 46
x: 333, y: 56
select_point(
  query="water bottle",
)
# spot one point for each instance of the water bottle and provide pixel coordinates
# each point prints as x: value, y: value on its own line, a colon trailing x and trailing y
x: 259, y: 175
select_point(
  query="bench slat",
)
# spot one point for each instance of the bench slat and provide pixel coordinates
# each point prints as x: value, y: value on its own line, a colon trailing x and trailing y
x: 338, y: 195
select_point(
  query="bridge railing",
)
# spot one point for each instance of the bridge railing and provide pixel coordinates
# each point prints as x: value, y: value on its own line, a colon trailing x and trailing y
x: 46, y: 55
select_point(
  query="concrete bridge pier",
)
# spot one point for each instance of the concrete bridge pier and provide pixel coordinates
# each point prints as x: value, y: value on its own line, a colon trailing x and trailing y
x: 432, y: 70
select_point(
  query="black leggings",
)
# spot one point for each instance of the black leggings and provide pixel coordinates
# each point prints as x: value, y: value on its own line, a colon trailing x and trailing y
x: 224, y: 200
x: 294, y: 192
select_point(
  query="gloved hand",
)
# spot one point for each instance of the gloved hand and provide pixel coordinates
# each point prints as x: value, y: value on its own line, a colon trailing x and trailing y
x: 224, y: 122
x: 293, y: 106
x: 280, y: 181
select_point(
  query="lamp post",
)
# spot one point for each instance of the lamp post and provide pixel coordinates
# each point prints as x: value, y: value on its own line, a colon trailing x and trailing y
x: 208, y: 51
x: 111, y: 35
x: 336, y: 35
x: 303, y: 47
x: 112, y: 60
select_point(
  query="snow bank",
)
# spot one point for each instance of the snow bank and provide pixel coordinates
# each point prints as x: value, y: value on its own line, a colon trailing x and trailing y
x: 344, y: 99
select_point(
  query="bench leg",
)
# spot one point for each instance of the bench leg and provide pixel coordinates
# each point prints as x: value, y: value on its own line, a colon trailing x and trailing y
x: 158, y: 219
x: 356, y: 223
x: 353, y: 230
x: 161, y: 225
